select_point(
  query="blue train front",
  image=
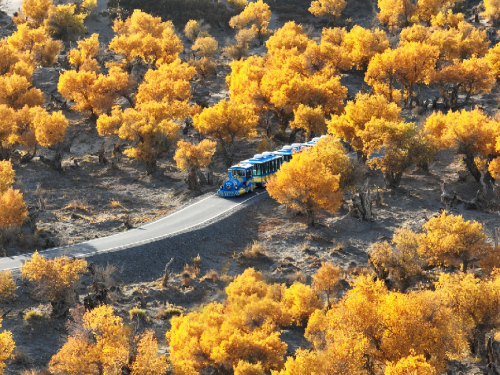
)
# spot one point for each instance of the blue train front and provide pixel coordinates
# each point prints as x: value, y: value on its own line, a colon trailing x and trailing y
x: 256, y: 171
x: 240, y: 181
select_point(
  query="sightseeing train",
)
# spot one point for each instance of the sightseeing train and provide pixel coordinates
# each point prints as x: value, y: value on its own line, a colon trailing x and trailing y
x: 256, y: 171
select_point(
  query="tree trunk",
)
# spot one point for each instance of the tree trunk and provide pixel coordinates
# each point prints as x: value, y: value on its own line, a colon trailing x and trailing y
x: 192, y: 179
x: 392, y: 179
x: 201, y: 178
x: 101, y: 154
x: 361, y: 156
x: 310, y: 218
x: 27, y: 157
x: 472, y: 167
x: 362, y: 203
x: 293, y: 134
x: 151, y: 166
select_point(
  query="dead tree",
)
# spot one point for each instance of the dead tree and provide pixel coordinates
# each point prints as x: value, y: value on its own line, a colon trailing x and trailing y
x: 362, y: 202
x: 166, y: 275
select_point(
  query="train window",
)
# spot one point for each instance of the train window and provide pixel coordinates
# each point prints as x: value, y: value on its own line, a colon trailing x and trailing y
x: 257, y: 171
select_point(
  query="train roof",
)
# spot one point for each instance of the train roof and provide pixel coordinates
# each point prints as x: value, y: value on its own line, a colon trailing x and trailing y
x: 262, y: 158
x: 242, y: 164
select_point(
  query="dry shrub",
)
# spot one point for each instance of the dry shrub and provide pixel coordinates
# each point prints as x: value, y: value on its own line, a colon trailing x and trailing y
x: 212, y: 275
x: 236, y: 51
x: 77, y: 205
x: 137, y: 313
x: 204, y: 67
x: 169, y: 311
x: 20, y: 357
x: 35, y: 315
x: 114, y: 204
x: 298, y: 276
x: 104, y: 275
x: 7, y: 285
x: 253, y: 251
x: 186, y: 278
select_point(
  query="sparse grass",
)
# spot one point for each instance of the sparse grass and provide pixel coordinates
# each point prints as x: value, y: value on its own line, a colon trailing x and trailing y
x: 138, y: 313
x: 253, y: 251
x: 77, y: 205
x: 36, y: 372
x: 304, y: 246
x: 168, y: 312
x: 212, y: 275
x: 297, y: 276
x: 192, y: 270
x: 35, y: 315
x: 197, y: 261
x: 114, y: 204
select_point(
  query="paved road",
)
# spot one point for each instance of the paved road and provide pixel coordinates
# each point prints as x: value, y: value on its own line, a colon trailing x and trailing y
x: 182, y: 220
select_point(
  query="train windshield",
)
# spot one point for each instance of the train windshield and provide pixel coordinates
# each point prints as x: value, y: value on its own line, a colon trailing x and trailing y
x: 238, y: 172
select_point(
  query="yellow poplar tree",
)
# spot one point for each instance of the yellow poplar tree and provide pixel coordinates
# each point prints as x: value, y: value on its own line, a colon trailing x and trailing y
x: 226, y: 122
x: 493, y: 58
x: 306, y: 185
x: 7, y: 346
x: 470, y: 133
x: 16, y: 92
x: 470, y: 77
x: 413, y: 364
x: 449, y: 240
x: 257, y: 16
x: 38, y: 45
x: 362, y: 44
x: 145, y: 37
x: 94, y: 93
x: 191, y: 158
x: 330, y: 8
x: 13, y: 210
x: 103, y: 346
x: 162, y: 98
x: 326, y: 279
x: 475, y: 303
x: 358, y: 113
x: 54, y: 278
x: 330, y: 152
x: 492, y: 10
x: 408, y: 65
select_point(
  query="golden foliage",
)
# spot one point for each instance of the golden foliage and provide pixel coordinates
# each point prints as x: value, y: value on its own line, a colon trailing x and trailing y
x: 351, y: 125
x: 401, y: 260
x: 15, y: 62
x: 301, y: 301
x: 312, y: 120
x: 7, y: 346
x: 13, y: 210
x: 53, y: 276
x: 238, y: 5
x: 93, y: 93
x: 409, y: 64
x: 396, y: 12
x: 394, y: 325
x: 470, y: 133
x: 226, y: 122
x: 326, y: 279
x: 474, y: 302
x: 331, y: 8
x: 192, y: 29
x: 65, y: 21
x: 245, y: 368
x: 307, y: 185
x: 470, y: 77
x: 7, y: 285
x: 256, y: 15
x: 411, y: 365
x: 330, y: 152
x: 83, y: 57
x: 205, y: 46
x: 188, y: 155
x: 6, y: 175
x: 16, y: 93
x: 33, y: 12
x: 147, y: 38
x: 492, y: 10
x: 223, y: 336
x: 493, y: 58
x: 449, y: 240
x: 362, y: 44
x: 102, y: 346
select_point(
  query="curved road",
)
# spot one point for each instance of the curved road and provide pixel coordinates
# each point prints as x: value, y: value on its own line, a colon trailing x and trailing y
x: 181, y: 220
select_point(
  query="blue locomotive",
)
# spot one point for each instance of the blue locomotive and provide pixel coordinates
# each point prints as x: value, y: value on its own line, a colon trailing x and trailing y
x: 259, y: 169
